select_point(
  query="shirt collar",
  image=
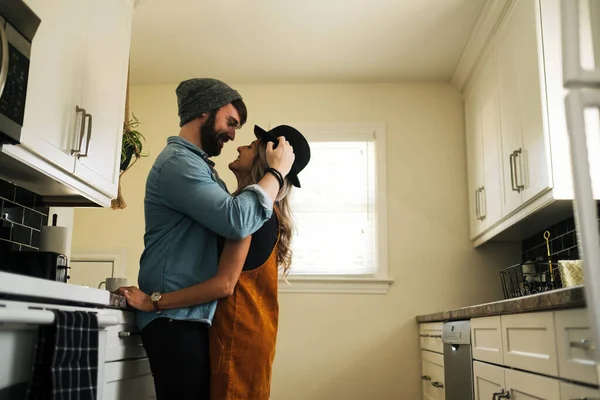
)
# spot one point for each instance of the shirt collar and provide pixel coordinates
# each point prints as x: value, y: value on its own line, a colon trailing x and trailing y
x: 192, y: 147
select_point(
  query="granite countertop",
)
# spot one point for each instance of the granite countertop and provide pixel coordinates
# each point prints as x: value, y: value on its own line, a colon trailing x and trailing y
x: 555, y: 299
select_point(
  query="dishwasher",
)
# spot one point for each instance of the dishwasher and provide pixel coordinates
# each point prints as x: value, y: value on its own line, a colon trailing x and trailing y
x: 458, y: 360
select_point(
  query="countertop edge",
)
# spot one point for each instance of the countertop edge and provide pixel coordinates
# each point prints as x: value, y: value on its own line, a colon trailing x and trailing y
x: 573, y: 297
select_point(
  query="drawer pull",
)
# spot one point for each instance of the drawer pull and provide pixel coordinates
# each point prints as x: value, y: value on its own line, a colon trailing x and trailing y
x: 123, y: 334
x: 505, y: 395
x: 437, y: 384
x: 425, y: 377
x: 582, y: 344
x: 436, y: 336
x: 424, y: 335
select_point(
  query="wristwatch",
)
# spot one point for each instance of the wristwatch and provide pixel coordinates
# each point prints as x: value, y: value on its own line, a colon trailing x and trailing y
x: 155, y: 297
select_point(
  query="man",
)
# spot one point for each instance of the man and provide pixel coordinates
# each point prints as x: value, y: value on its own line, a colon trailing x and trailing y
x: 186, y: 206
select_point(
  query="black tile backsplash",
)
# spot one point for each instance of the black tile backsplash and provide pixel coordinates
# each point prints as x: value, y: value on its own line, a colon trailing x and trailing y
x: 562, y: 241
x: 21, y: 218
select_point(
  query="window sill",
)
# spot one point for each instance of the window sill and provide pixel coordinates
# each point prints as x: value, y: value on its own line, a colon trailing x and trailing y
x: 335, y: 284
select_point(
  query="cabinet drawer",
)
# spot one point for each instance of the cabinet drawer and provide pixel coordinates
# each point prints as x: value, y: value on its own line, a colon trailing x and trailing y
x: 575, y: 345
x: 568, y: 391
x: 529, y: 342
x: 128, y: 380
x: 123, y: 341
x: 486, y: 338
x: 526, y: 386
x: 431, y: 336
x: 433, y: 375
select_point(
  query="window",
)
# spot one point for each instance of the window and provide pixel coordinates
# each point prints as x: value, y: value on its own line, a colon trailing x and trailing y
x: 340, y: 243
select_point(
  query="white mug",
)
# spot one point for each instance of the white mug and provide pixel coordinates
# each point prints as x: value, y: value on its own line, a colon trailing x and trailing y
x: 112, y: 284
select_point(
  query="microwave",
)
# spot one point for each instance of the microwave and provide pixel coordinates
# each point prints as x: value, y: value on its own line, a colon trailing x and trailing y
x: 18, y: 25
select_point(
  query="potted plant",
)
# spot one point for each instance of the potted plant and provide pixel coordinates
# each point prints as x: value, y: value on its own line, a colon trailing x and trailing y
x: 131, y: 151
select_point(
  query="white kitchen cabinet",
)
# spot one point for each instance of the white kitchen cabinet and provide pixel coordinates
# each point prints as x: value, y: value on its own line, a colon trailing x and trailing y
x: 430, y: 335
x: 482, y: 126
x: 488, y: 381
x: 51, y: 123
x: 524, y: 39
x: 432, y: 375
x: 75, y: 102
x: 486, y: 339
x: 104, y: 88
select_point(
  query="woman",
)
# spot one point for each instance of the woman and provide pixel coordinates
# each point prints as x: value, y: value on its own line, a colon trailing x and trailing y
x: 244, y: 328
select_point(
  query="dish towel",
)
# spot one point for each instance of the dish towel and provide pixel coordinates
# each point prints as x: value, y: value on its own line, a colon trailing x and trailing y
x: 66, y: 358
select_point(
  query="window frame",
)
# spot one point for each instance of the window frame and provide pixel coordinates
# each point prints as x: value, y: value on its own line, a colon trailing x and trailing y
x: 375, y: 283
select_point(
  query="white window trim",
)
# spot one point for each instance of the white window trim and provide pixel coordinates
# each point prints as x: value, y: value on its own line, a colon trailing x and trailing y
x: 380, y: 282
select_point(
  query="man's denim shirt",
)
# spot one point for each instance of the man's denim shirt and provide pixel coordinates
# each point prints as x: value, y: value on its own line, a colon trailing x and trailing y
x: 186, y: 206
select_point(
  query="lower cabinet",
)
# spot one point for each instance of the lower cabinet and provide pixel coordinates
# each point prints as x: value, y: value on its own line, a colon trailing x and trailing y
x: 495, y: 382
x: 432, y: 375
x: 130, y: 379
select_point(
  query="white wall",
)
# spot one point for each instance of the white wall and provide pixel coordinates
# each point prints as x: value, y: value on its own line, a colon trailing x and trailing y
x: 349, y: 346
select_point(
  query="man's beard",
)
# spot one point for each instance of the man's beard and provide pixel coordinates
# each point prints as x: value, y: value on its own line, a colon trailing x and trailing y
x: 210, y: 138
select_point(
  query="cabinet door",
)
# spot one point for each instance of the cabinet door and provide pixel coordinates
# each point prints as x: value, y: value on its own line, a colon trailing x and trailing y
x: 474, y: 160
x: 486, y: 337
x: 525, y: 386
x: 488, y: 381
x: 569, y: 391
x: 105, y: 83
x: 533, y: 168
x: 433, y: 366
x: 510, y: 115
x: 491, y: 195
x: 52, y: 124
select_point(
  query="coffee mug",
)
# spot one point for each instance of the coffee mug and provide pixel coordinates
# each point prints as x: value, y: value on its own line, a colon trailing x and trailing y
x: 112, y: 284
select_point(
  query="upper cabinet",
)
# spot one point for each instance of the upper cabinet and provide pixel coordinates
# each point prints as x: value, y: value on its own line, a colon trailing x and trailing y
x: 517, y: 144
x: 75, y: 102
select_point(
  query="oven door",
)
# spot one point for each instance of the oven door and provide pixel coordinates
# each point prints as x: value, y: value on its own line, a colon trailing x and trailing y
x: 15, y: 51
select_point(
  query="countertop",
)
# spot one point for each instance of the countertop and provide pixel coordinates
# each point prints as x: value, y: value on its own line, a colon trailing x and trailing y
x: 555, y: 299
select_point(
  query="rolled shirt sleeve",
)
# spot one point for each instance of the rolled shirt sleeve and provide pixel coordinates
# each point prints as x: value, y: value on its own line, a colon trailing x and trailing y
x: 188, y: 186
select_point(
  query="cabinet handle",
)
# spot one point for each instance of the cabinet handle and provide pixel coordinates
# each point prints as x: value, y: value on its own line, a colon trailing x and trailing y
x: 89, y: 136
x: 582, y: 344
x: 4, y: 66
x: 435, y: 336
x: 123, y: 334
x: 477, y: 211
x: 501, y: 392
x: 424, y: 335
x: 505, y: 395
x: 425, y: 377
x: 83, y: 114
x: 520, y: 187
x: 484, y: 208
x: 511, y: 160
x: 437, y: 384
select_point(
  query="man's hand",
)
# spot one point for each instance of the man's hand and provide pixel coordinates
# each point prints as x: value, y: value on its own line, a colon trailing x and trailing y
x: 136, y: 298
x: 282, y: 157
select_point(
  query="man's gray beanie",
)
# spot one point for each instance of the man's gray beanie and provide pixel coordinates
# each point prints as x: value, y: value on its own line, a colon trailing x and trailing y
x: 199, y: 95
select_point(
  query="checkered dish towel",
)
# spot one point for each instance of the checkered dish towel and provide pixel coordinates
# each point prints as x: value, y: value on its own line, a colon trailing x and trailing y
x: 66, y: 359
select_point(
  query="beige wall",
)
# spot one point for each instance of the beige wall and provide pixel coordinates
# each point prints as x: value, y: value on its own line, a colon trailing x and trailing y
x: 346, y: 346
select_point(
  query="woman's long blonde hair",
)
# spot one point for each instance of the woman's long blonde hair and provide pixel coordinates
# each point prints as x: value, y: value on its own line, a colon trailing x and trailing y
x: 281, y: 207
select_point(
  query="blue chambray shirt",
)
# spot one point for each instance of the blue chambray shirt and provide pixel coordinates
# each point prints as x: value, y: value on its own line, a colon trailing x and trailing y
x: 186, y: 206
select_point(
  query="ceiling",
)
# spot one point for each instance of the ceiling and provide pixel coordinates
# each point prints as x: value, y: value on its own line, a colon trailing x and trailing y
x: 301, y: 41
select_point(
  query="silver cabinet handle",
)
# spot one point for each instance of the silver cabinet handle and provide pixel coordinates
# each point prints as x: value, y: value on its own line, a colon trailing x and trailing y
x: 477, y: 211
x: 89, y: 136
x: 582, y: 344
x: 505, y: 395
x: 4, y: 66
x: 83, y: 114
x: 484, y: 207
x: 437, y: 384
x: 425, y: 377
x: 520, y: 187
x: 511, y: 160
x: 123, y: 334
x: 501, y: 392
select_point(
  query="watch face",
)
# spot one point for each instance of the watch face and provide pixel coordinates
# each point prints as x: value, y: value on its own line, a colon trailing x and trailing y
x: 155, y: 296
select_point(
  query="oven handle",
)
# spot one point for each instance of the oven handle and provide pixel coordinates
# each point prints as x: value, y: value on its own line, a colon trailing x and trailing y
x: 45, y: 317
x: 4, y: 66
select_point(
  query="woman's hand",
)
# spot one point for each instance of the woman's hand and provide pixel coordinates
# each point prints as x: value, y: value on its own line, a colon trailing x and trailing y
x: 136, y: 298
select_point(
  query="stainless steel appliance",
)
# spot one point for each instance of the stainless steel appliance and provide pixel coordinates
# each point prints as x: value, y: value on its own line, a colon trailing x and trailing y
x: 37, y: 264
x: 18, y: 25
x: 458, y: 360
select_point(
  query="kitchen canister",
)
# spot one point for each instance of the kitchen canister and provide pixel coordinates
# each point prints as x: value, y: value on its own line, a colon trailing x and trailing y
x: 54, y: 238
x: 571, y: 272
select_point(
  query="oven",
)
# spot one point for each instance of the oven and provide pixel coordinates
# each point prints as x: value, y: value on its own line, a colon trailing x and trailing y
x: 18, y: 25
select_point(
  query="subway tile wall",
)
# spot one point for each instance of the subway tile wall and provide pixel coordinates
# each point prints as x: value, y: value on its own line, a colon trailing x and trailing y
x: 562, y: 241
x: 21, y: 218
